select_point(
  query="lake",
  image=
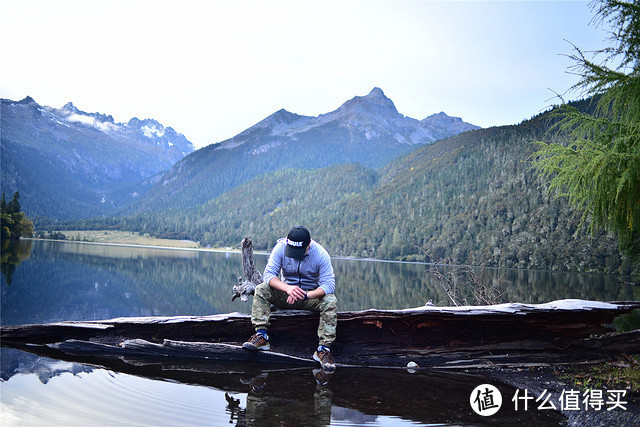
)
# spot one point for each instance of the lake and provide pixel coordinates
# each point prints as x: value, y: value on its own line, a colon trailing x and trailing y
x: 49, y: 281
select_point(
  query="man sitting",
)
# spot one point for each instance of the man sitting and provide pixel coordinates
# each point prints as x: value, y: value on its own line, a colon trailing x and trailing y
x: 308, y: 284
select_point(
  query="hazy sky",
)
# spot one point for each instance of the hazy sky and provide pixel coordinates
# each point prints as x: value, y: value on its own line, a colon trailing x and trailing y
x: 210, y: 69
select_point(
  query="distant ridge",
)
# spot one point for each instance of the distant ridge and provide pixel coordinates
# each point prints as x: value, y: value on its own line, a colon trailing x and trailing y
x: 472, y: 198
x: 67, y: 163
x: 365, y: 129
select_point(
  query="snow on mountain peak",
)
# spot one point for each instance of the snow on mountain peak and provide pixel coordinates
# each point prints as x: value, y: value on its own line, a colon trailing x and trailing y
x: 90, y: 120
x: 151, y: 131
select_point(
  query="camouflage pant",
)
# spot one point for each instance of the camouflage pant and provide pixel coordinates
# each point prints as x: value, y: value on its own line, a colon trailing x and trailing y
x: 265, y: 295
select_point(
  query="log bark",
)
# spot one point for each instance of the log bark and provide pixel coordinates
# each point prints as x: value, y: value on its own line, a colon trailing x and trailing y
x: 560, y: 332
x: 178, y: 350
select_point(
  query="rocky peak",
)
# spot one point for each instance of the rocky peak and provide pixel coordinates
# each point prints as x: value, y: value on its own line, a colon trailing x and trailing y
x: 376, y: 102
x: 136, y: 122
x: 70, y: 107
x: 443, y: 119
x: 445, y: 126
x: 26, y: 101
x: 71, y: 112
x: 376, y: 93
x: 280, y: 117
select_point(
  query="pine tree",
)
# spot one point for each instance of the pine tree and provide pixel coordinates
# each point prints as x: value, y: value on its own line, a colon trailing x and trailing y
x: 14, y: 205
x: 14, y: 223
x: 599, y: 170
x: 6, y: 222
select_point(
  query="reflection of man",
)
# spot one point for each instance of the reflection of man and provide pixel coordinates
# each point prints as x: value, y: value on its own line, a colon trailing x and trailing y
x: 278, y: 405
x: 308, y: 283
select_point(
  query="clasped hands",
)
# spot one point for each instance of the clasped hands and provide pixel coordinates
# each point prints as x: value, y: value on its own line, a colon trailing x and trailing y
x: 295, y: 294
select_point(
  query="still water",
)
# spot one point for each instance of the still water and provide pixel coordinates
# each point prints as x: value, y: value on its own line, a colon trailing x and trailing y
x: 57, y: 281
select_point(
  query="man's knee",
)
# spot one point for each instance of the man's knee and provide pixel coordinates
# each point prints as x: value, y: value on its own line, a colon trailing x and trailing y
x: 329, y: 302
x: 263, y: 290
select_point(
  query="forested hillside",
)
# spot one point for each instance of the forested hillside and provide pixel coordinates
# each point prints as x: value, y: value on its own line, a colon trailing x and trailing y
x: 473, y: 198
x: 266, y: 206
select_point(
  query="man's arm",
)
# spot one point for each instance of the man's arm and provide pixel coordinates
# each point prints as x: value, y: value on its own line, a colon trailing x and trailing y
x: 316, y: 293
x: 274, y: 265
x: 295, y: 293
x: 327, y: 279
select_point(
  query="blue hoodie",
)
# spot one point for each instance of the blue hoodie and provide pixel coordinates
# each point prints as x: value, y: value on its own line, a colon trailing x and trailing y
x: 312, y: 272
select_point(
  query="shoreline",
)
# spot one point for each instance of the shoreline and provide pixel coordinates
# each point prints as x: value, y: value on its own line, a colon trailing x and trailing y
x: 203, y: 249
x: 144, y: 246
x: 259, y: 252
x: 194, y: 248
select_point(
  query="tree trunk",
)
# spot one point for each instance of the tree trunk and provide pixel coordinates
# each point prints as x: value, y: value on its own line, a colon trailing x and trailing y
x: 252, y: 277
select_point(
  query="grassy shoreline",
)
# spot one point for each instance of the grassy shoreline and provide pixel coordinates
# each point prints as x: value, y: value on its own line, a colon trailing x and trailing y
x: 125, y: 237
x: 129, y: 238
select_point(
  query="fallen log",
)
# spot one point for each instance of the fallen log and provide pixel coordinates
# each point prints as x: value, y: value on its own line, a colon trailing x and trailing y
x: 559, y: 332
x: 179, y: 350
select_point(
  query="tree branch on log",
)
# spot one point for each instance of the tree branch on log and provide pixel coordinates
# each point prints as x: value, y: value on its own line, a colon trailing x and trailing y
x: 252, y: 277
x: 461, y: 279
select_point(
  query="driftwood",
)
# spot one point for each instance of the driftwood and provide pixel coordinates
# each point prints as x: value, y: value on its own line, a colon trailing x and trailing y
x: 560, y: 332
x: 252, y: 277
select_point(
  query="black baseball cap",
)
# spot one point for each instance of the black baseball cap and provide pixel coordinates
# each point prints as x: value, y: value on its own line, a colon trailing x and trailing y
x: 297, y: 241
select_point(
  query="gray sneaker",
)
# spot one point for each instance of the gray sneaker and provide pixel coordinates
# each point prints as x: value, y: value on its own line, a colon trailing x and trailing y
x: 257, y: 342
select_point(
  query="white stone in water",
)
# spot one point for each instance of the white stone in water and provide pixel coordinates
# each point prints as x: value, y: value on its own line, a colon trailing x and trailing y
x: 412, y: 365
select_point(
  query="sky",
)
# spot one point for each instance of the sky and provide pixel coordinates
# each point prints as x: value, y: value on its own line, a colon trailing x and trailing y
x: 210, y: 69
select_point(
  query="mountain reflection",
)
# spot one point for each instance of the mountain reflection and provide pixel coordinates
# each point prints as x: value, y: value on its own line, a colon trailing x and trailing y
x: 74, y: 281
x: 255, y: 396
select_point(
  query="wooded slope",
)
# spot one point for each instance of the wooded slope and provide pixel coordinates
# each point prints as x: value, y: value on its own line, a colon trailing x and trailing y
x: 472, y: 198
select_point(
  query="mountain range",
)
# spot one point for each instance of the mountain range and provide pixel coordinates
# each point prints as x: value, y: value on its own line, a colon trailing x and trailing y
x: 67, y: 163
x: 473, y: 198
x: 367, y: 180
x: 367, y: 130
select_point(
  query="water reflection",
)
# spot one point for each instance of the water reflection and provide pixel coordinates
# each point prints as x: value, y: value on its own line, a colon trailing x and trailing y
x: 301, y: 403
x: 16, y: 362
x: 57, y: 281
x: 248, y: 396
x: 74, y: 281
x: 13, y: 253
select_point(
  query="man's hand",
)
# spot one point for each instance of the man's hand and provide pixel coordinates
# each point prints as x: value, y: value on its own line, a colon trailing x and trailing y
x: 295, y: 294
